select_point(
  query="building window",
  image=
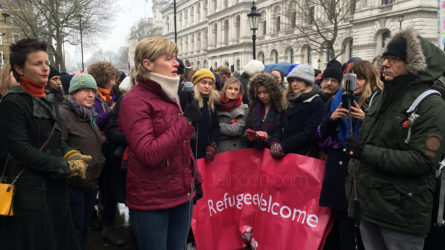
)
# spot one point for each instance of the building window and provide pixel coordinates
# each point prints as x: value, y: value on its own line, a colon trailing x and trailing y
x: 278, y: 24
x: 387, y: 2
x: 309, y: 55
x: 1, y: 59
x: 238, y: 64
x: 260, y: 57
x: 237, y: 27
x: 351, y: 43
x: 226, y: 31
x: 385, y: 36
x: 226, y: 3
x: 215, y: 34
x: 293, y: 23
x: 290, y: 55
x: 274, y: 56
x: 311, y: 15
x: 264, y: 27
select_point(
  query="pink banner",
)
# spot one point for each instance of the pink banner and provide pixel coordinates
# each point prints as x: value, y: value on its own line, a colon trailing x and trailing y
x: 250, y: 197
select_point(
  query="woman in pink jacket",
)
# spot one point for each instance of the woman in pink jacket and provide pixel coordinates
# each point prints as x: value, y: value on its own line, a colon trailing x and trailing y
x: 161, y: 170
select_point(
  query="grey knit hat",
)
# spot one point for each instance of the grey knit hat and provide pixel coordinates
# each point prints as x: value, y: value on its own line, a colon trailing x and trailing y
x: 82, y: 81
x: 303, y: 72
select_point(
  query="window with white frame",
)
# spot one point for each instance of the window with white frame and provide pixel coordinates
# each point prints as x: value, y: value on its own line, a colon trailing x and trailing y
x: 15, y: 37
x: 1, y: 59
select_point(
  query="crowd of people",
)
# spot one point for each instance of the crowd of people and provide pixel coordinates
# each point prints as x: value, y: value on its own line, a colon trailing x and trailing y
x: 69, y: 140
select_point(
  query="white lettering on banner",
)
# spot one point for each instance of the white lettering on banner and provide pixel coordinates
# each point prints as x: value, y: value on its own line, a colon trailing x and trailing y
x: 268, y: 206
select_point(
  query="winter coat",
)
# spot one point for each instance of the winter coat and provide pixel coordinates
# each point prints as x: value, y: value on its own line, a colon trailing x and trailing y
x: 113, y: 150
x: 207, y: 129
x: 160, y: 165
x: 396, y: 179
x: 296, y: 133
x: 336, y: 166
x: 103, y: 110
x: 272, y: 120
x: 42, y: 218
x: 78, y: 133
x: 244, y: 79
x: 232, y: 126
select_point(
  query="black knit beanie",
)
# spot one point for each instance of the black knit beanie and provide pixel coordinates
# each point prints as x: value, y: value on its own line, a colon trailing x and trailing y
x: 397, y: 47
x: 53, y: 72
x: 333, y: 70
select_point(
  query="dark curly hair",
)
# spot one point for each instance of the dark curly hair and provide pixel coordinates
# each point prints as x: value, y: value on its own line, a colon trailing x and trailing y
x: 103, y: 72
x: 20, y: 50
x: 270, y: 83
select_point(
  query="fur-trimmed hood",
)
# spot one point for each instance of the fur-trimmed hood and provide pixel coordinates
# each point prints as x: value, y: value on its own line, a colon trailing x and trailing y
x: 271, y: 84
x: 424, y: 59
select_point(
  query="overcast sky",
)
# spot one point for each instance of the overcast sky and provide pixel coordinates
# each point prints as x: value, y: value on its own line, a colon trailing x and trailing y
x: 130, y: 12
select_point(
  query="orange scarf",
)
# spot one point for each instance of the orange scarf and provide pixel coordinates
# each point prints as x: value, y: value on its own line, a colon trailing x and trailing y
x: 33, y: 88
x: 105, y: 95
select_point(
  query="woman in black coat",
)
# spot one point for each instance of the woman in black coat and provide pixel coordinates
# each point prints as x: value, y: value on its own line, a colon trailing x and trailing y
x: 332, y: 132
x: 203, y: 98
x: 42, y: 218
x: 303, y: 114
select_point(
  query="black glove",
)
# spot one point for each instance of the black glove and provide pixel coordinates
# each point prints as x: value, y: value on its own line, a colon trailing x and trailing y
x: 199, y: 194
x: 192, y: 112
x: 354, y: 146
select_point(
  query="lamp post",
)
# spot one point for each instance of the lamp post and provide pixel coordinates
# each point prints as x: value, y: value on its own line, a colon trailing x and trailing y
x: 253, y: 17
x: 81, y: 41
x: 174, y: 17
x: 400, y: 19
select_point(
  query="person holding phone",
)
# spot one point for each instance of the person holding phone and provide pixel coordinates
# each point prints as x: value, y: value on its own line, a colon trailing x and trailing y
x: 265, y: 110
x: 332, y: 131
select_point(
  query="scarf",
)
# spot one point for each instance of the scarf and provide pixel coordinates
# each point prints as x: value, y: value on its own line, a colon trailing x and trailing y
x: 262, y: 121
x: 105, y: 95
x: 82, y: 112
x: 168, y: 84
x: 225, y: 105
x: 33, y: 88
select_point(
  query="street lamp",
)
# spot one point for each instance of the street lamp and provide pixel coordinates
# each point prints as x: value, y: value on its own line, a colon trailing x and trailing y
x: 400, y: 19
x: 174, y: 16
x: 253, y: 17
x: 81, y: 41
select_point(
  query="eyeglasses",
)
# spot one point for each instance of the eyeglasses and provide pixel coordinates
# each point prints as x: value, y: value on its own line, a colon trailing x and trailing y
x: 391, y: 59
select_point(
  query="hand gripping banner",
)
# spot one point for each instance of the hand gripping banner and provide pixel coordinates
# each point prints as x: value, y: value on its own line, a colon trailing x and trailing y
x: 250, y: 197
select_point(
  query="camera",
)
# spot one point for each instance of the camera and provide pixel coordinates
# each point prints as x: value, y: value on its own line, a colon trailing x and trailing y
x: 350, y: 80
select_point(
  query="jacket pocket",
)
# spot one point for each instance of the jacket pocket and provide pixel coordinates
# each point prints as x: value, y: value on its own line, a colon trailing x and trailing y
x: 29, y: 196
x: 392, y: 203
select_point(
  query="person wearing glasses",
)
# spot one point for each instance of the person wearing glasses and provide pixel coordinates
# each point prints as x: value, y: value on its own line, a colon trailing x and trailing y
x: 395, y: 164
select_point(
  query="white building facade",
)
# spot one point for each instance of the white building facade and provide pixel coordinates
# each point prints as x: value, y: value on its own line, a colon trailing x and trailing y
x: 211, y: 33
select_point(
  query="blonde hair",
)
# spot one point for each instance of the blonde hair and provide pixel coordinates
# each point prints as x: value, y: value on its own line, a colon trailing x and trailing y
x: 213, y: 98
x: 289, y: 94
x: 5, y: 79
x: 229, y: 82
x: 151, y: 48
x: 365, y: 70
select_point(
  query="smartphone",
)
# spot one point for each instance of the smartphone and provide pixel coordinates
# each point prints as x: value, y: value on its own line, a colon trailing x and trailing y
x: 346, y: 100
x: 250, y: 132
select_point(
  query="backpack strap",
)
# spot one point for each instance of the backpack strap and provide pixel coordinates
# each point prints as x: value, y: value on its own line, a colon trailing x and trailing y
x: 439, y: 220
x: 411, y: 111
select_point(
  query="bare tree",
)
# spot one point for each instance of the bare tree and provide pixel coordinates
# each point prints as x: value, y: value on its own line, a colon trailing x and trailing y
x: 58, y: 21
x: 319, y: 21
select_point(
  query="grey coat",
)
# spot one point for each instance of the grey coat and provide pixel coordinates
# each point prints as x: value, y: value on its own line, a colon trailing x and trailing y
x: 230, y: 137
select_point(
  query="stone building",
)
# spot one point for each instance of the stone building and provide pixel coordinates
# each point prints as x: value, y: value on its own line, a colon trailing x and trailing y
x: 9, y: 33
x: 211, y: 33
